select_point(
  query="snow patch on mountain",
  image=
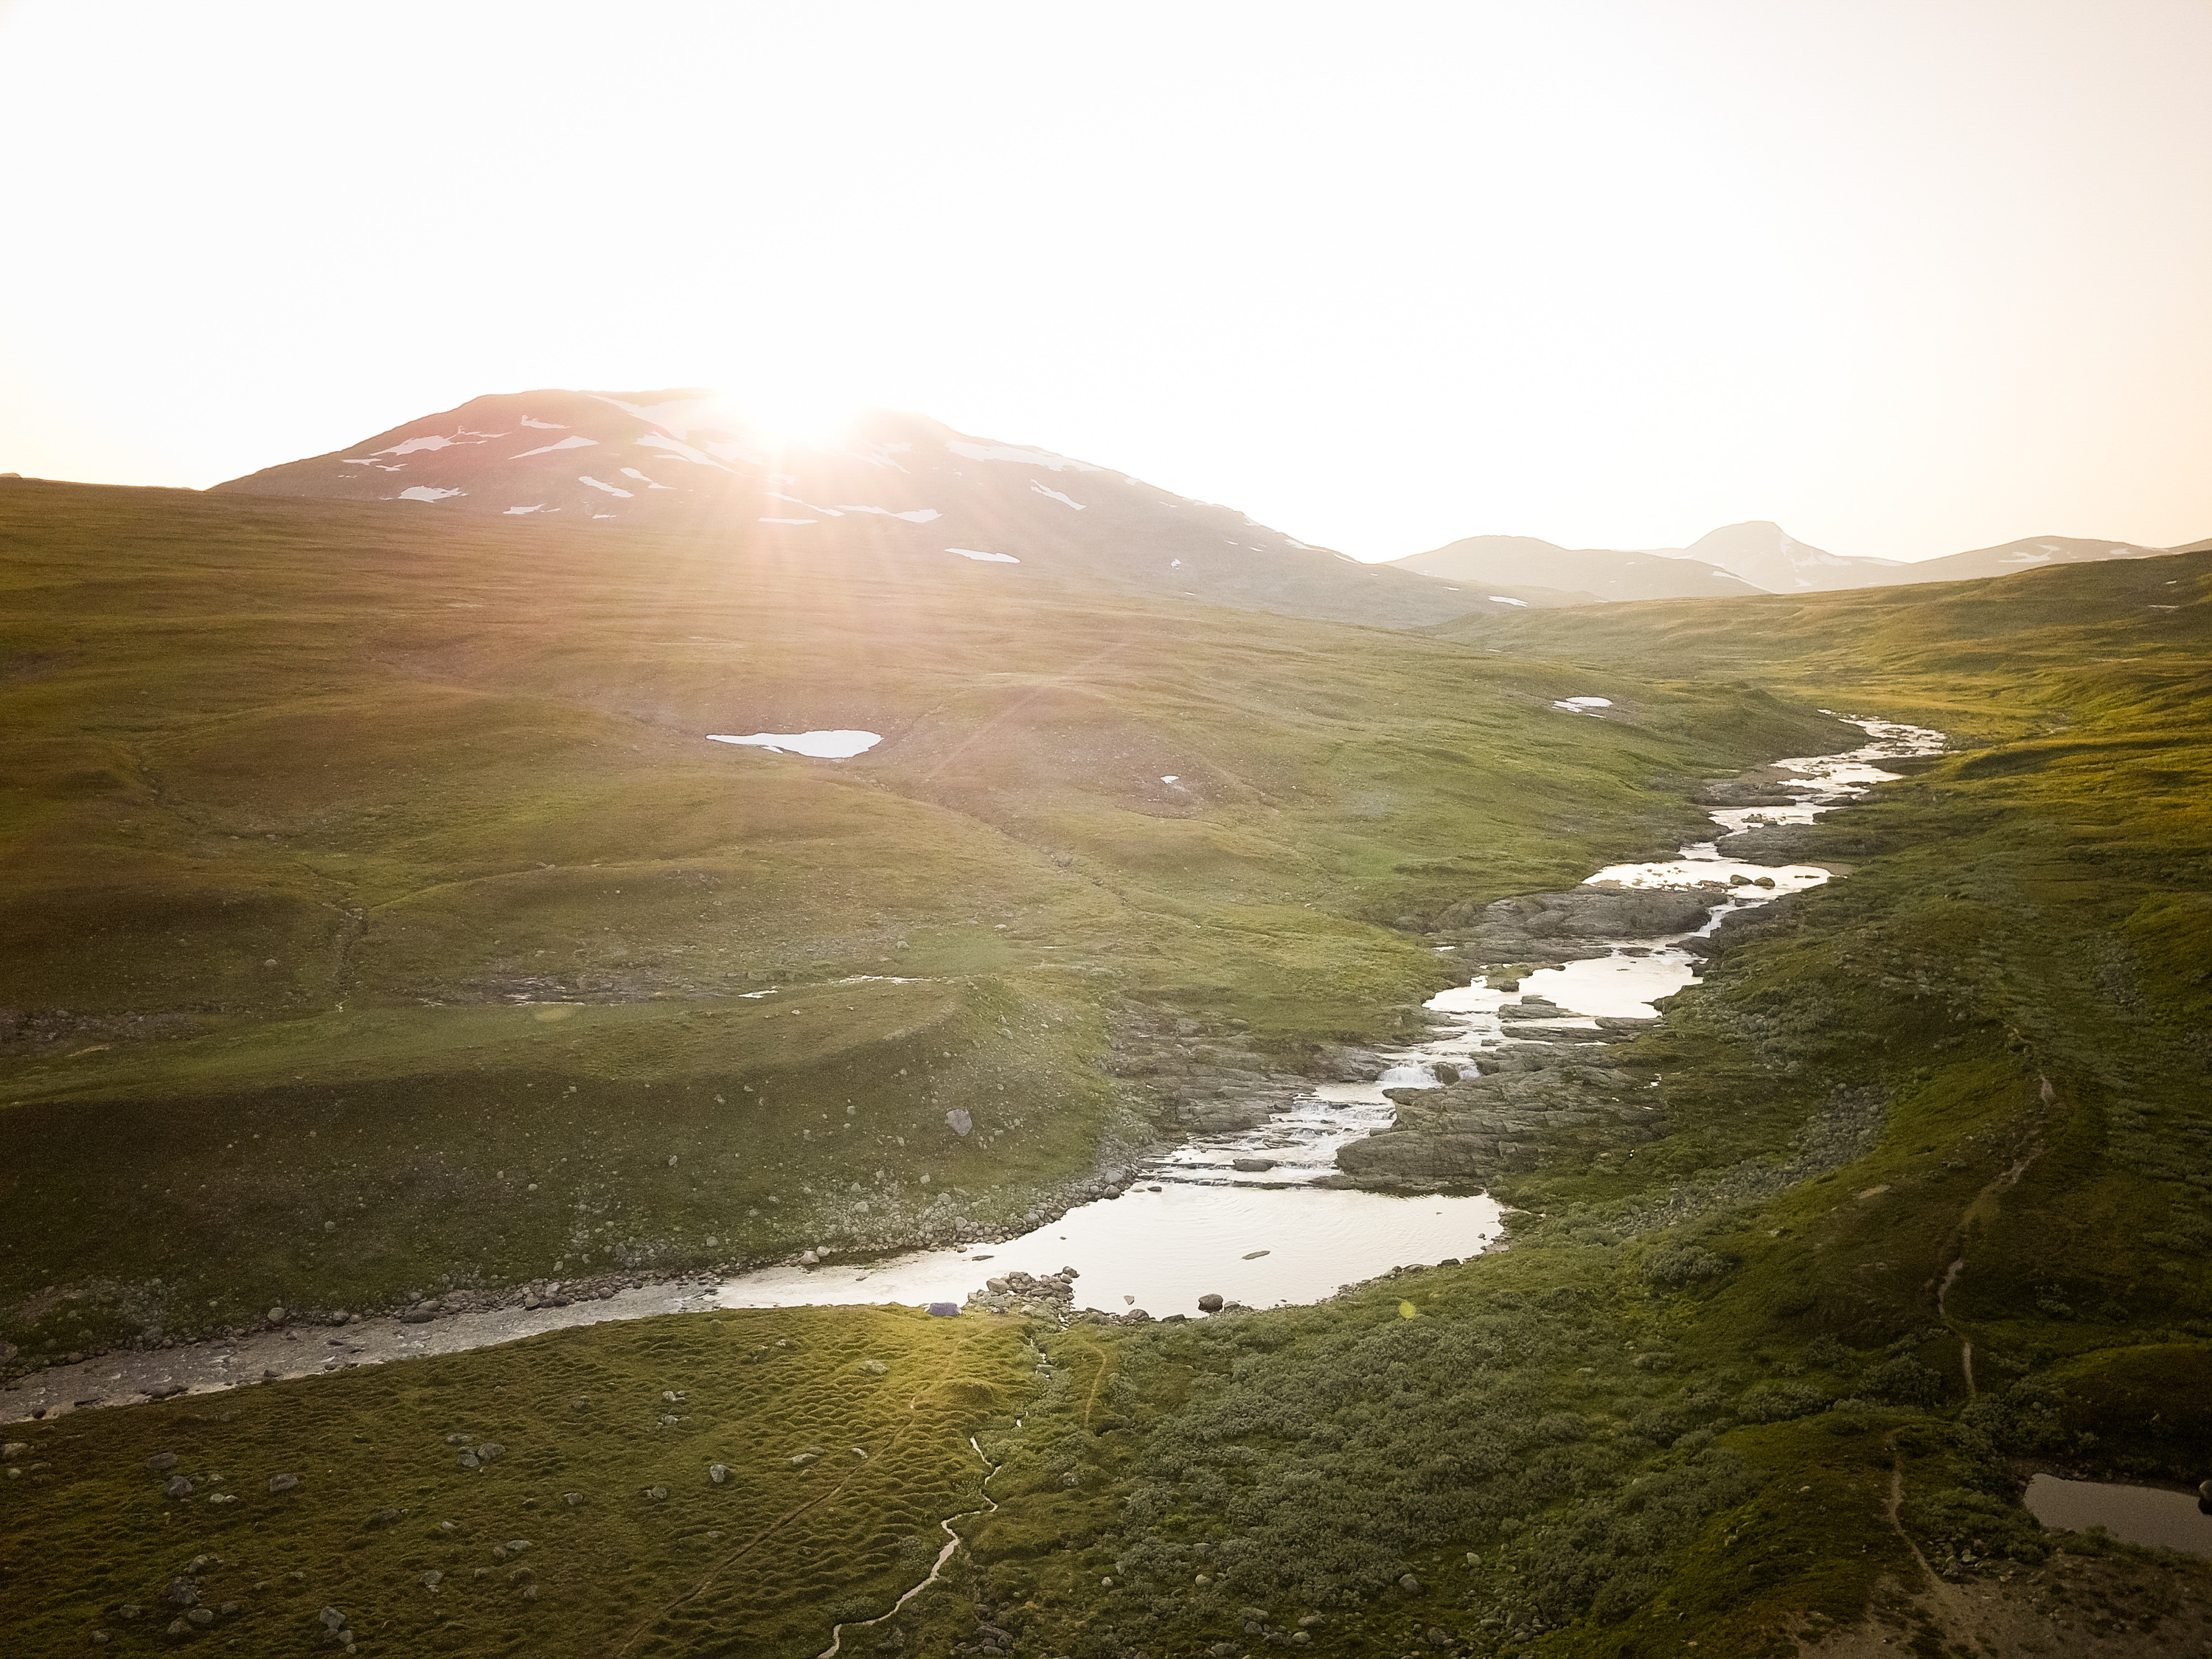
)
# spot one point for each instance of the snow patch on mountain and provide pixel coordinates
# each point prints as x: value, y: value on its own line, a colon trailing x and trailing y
x: 987, y: 558
x: 919, y: 515
x: 576, y: 441
x: 1055, y: 495
x: 1043, y: 458
x: 822, y: 745
x: 425, y: 493
x: 587, y: 479
x: 676, y: 446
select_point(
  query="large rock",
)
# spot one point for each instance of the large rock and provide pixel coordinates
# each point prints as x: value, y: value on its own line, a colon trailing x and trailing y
x: 1539, y: 925
x: 1405, y: 1155
x: 1771, y: 843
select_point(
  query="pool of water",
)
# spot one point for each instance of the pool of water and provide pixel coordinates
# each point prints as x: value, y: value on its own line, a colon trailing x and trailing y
x: 2134, y: 1515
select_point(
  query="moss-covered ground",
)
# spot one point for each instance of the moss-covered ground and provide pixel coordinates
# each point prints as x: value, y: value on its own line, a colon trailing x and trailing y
x: 840, y: 1436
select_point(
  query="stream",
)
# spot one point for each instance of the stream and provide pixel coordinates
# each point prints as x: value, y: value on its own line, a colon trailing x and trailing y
x: 1193, y: 1223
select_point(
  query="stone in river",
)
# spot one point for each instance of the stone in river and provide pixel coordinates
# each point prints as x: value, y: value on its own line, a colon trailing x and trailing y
x: 1209, y: 1304
x: 1253, y: 1165
x: 1254, y: 1256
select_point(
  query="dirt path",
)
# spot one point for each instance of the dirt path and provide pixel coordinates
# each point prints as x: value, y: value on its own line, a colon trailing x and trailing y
x: 2002, y: 1181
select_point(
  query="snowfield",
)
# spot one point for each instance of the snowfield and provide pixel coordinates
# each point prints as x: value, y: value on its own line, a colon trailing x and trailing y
x: 822, y: 745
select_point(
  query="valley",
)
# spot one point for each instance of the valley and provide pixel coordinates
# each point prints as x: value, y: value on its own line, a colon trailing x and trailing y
x: 387, y: 934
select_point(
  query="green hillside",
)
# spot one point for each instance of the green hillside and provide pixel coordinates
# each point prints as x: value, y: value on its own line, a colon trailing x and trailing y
x: 1931, y: 1209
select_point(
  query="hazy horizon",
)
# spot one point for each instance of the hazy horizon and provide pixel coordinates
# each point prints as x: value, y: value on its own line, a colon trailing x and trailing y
x: 1904, y: 282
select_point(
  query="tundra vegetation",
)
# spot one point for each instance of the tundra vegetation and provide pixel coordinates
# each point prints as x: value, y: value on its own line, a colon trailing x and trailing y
x: 1929, y: 1209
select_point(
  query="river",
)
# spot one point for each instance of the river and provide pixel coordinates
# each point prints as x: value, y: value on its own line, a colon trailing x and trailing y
x: 1193, y: 1224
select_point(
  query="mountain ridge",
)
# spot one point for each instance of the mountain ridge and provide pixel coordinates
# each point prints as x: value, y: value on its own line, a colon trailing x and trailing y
x: 1755, y: 556
x: 882, y: 483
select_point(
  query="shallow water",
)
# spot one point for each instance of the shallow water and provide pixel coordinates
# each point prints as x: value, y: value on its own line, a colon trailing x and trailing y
x: 2134, y: 1515
x: 1162, y: 1250
x: 1257, y: 1236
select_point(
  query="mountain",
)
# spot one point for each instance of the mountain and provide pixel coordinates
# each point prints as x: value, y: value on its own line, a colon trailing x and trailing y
x: 2027, y: 554
x: 886, y: 483
x: 1769, y: 558
x: 1753, y: 557
x: 1583, y: 573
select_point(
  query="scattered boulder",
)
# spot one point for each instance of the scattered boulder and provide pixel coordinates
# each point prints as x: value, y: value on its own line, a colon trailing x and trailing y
x: 874, y: 1367
x: 1209, y: 1304
x: 332, y: 1619
x: 178, y: 1487
x: 572, y: 1499
x: 959, y: 1121
x: 159, y: 1462
x: 717, y: 1472
x: 1410, y: 1585
x: 282, y: 1482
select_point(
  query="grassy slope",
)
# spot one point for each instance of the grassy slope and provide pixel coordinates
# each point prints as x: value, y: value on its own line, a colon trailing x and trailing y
x: 378, y: 916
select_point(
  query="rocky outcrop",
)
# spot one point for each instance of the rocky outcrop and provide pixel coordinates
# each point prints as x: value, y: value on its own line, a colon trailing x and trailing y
x: 1483, y: 1126
x: 1771, y: 843
x: 1556, y: 926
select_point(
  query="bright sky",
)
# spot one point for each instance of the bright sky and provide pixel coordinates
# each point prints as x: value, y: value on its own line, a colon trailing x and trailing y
x: 1907, y: 277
